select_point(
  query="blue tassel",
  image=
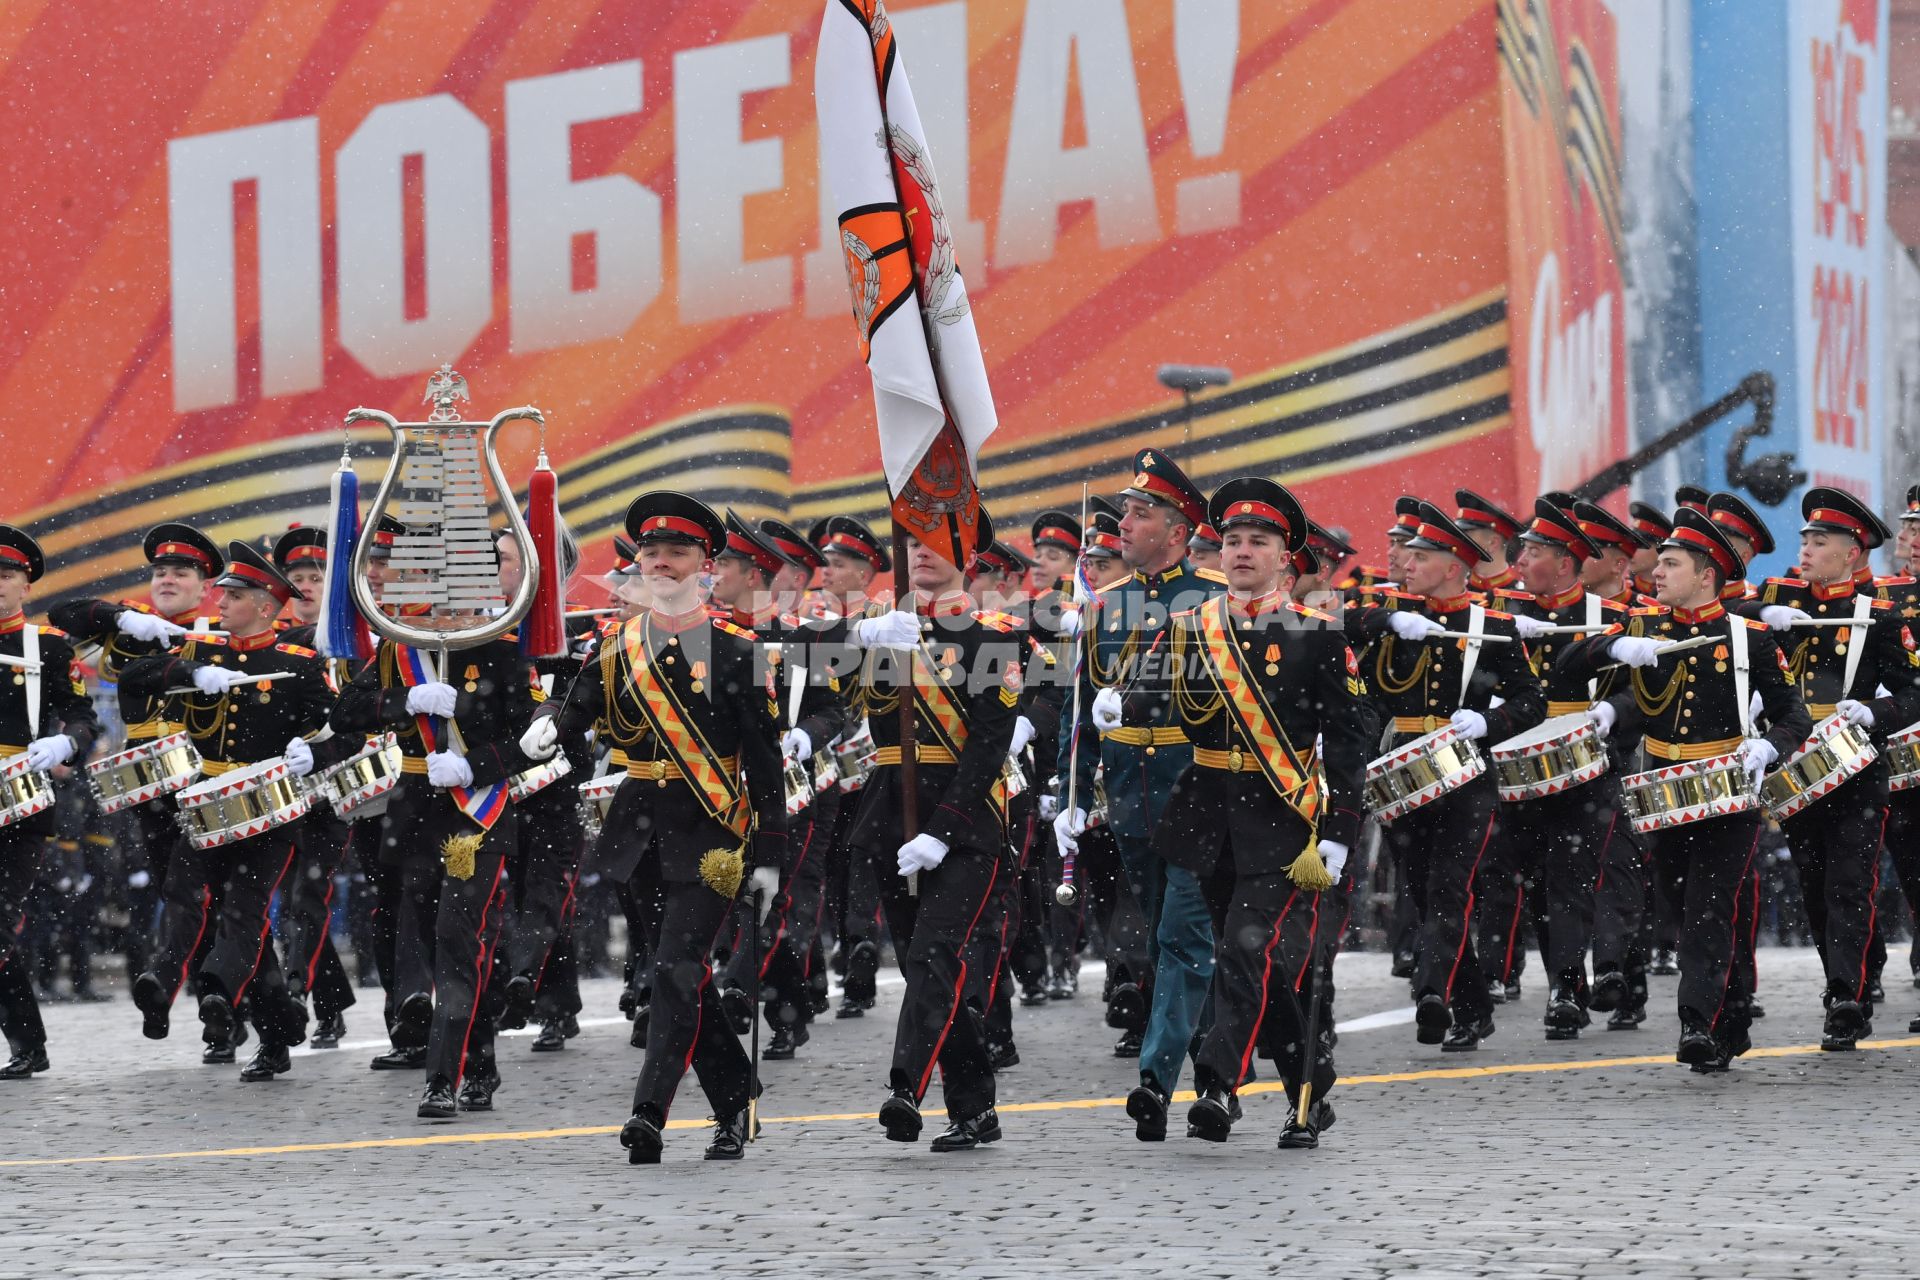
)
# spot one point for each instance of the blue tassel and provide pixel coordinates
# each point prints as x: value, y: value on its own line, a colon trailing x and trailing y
x: 341, y: 633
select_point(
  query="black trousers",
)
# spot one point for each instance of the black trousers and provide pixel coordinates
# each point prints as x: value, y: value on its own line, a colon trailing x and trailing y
x: 226, y: 893
x: 1706, y: 868
x: 686, y: 1028
x: 793, y: 920
x: 1622, y: 905
x: 152, y: 831
x: 1113, y: 908
x: 306, y: 914
x: 1836, y: 849
x: 1562, y: 844
x: 21, y: 853
x: 1440, y: 846
x: 1502, y: 911
x: 552, y: 841
x: 382, y: 871
x: 932, y: 933
x: 1903, y: 843
x: 447, y: 928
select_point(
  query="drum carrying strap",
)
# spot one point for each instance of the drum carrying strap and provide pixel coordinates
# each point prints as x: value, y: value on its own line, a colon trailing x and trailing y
x: 30, y: 652
x: 1742, y: 673
x: 1594, y: 623
x: 1476, y: 628
x: 1856, y: 640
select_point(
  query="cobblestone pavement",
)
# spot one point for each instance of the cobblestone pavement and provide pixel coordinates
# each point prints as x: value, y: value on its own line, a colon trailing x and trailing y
x: 1599, y: 1157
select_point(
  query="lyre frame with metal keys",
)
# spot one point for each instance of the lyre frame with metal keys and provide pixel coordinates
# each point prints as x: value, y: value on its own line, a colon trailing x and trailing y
x: 397, y: 629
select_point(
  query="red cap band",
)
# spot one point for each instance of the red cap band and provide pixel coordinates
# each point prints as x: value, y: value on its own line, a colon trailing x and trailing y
x: 1827, y: 515
x: 1051, y: 534
x: 1735, y: 523
x: 1703, y: 542
x: 306, y: 551
x: 852, y: 546
x: 1255, y: 511
x: 260, y: 580
x: 1466, y: 550
x: 742, y: 546
x: 14, y: 555
x: 674, y: 524
x: 185, y: 549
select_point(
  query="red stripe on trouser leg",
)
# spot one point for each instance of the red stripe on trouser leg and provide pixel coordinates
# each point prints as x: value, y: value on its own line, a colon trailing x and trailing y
x: 1727, y: 979
x: 959, y: 984
x: 266, y: 924
x: 1753, y: 934
x: 1600, y: 877
x: 1313, y: 937
x: 999, y: 957
x: 786, y: 891
x: 326, y: 928
x: 1260, y: 1010
x: 186, y: 961
x: 481, y: 965
x: 1873, y: 908
x: 1466, y: 923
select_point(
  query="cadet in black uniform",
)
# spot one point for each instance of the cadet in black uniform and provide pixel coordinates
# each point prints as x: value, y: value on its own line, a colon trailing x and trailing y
x: 45, y: 715
x: 680, y: 694
x: 181, y: 562
x: 1270, y: 694
x: 1424, y: 685
x: 1694, y: 706
x: 324, y: 839
x: 1056, y: 540
x: 1836, y: 839
x: 233, y: 725
x: 965, y: 671
x: 444, y: 841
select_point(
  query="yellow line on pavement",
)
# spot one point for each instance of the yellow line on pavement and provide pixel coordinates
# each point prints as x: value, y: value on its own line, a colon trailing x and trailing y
x: 1067, y: 1104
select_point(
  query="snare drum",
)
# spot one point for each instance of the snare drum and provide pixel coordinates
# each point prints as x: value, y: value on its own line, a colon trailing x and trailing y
x: 1903, y: 759
x: 144, y: 772
x: 1687, y: 791
x: 826, y: 774
x: 359, y: 786
x: 1550, y: 758
x: 797, y: 779
x: 854, y: 758
x: 1835, y: 752
x: 24, y: 791
x: 1420, y: 772
x: 596, y: 798
x: 242, y: 803
x: 528, y: 783
x: 1012, y: 777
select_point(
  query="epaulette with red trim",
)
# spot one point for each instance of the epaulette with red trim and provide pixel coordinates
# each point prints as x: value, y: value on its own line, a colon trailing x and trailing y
x: 298, y: 650
x: 1648, y: 611
x: 1751, y: 623
x: 1308, y: 611
x: 136, y: 606
x: 1879, y: 603
x: 1786, y: 582
x: 1508, y: 593
x: 1495, y: 615
x: 1211, y: 575
x: 48, y: 629
x: 1896, y: 580
x: 202, y: 638
x: 1003, y: 622
x: 789, y: 619
x: 742, y: 633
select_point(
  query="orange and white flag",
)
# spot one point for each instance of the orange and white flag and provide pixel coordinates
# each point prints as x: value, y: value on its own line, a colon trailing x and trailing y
x: 916, y: 327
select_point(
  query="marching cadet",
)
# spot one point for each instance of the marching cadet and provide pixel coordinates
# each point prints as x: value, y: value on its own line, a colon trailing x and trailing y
x: 743, y: 583
x: 444, y: 841
x: 680, y: 694
x: 1424, y: 686
x: 1142, y: 763
x: 1836, y: 838
x: 324, y: 839
x: 1563, y: 840
x: 1746, y: 533
x: 964, y: 669
x: 181, y: 562
x: 1492, y: 530
x: 1057, y: 544
x: 1270, y: 693
x: 235, y: 720
x: 1653, y: 527
x: 1203, y: 548
x: 855, y: 560
x: 45, y: 715
x: 1693, y: 706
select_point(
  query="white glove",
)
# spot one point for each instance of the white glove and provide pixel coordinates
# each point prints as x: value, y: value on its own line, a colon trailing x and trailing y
x: 796, y: 745
x: 1069, y: 623
x: 213, y: 680
x: 1635, y: 651
x: 766, y: 883
x: 1334, y: 854
x: 896, y: 630
x: 1855, y: 712
x: 147, y: 626
x: 1022, y: 735
x: 1413, y: 626
x: 431, y: 699
x: 45, y: 753
x: 541, y: 737
x: 139, y: 880
x: 922, y: 853
x: 448, y: 769
x: 1781, y: 617
x: 1602, y: 715
x: 1530, y: 628
x: 1755, y: 755
x: 1468, y: 723
x: 1048, y: 807
x: 1107, y: 710
x: 1756, y: 706
x: 299, y: 757
x: 1067, y: 826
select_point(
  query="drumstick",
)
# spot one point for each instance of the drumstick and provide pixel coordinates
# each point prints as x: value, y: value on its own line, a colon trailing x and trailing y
x: 262, y: 678
x: 1670, y: 646
x: 1829, y: 622
x: 1571, y: 628
x: 1467, y: 635
x: 13, y: 661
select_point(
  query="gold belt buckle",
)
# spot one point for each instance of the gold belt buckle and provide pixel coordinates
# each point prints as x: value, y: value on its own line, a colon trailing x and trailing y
x: 1234, y: 759
x: 660, y: 772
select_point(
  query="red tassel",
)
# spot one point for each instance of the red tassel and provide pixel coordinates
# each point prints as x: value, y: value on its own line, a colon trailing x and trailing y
x: 543, y: 633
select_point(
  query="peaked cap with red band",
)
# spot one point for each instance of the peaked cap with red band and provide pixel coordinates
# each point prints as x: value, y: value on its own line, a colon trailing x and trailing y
x: 250, y: 569
x: 174, y: 543
x: 1438, y: 532
x: 1262, y: 503
x: 665, y: 516
x: 1837, y: 511
x: 18, y: 550
x: 1476, y: 512
x: 1555, y: 526
x: 1156, y: 479
x: 1695, y: 531
x: 1736, y: 517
